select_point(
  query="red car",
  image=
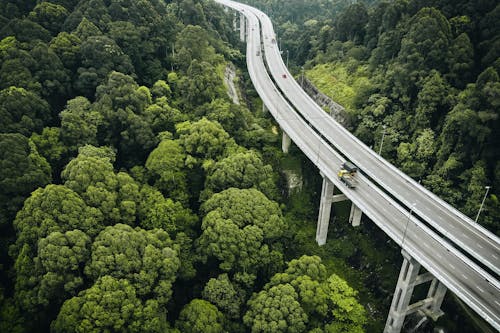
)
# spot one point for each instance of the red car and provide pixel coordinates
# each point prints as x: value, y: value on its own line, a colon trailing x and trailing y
x: 283, y: 76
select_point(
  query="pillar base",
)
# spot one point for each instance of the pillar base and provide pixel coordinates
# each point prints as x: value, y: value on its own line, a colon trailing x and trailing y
x: 408, y: 279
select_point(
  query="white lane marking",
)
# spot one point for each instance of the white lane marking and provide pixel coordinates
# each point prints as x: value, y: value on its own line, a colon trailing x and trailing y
x: 465, y: 277
x: 494, y: 256
x: 463, y: 234
x: 425, y: 244
x: 480, y: 246
x: 452, y: 267
x: 497, y: 303
x: 439, y: 256
x: 481, y: 290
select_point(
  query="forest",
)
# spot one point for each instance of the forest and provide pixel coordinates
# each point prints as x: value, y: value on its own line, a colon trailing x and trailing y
x: 423, y: 74
x: 136, y: 195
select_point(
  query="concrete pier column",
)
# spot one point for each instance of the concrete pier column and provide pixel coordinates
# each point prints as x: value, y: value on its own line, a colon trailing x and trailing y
x: 355, y: 216
x: 235, y: 21
x: 436, y: 293
x: 264, y: 107
x: 285, y: 143
x: 242, y: 28
x: 325, y: 208
x: 402, y: 294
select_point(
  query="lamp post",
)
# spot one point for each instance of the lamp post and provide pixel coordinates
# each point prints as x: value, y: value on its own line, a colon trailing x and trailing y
x: 286, y: 58
x: 407, y: 222
x: 382, y: 141
x: 482, y: 202
x: 302, y: 84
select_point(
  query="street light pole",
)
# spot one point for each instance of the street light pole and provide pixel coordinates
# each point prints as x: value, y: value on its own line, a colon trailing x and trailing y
x: 482, y: 202
x: 302, y: 76
x: 382, y: 141
x: 407, y: 222
x: 286, y: 58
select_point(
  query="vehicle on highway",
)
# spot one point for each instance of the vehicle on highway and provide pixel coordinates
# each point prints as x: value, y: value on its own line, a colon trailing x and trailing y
x: 347, y: 174
x: 283, y: 76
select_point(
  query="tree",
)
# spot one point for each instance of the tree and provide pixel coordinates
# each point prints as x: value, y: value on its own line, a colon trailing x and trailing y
x: 50, y: 209
x: 200, y: 316
x: 50, y: 146
x: 121, y: 103
x: 247, y: 207
x: 433, y: 102
x: 165, y: 166
x: 25, y: 31
x: 237, y: 229
x: 242, y: 170
x: 79, y: 124
x: 204, y: 139
x: 67, y: 47
x: 22, y: 111
x: 351, y: 23
x: 224, y: 295
x: 109, y: 305
x: 148, y: 259
x: 327, y: 303
x: 51, y: 74
x: 23, y: 170
x: 92, y: 176
x: 100, y: 56
x: 49, y: 15
x: 200, y: 85
x: 54, y: 274
x: 276, y: 310
x: 192, y: 43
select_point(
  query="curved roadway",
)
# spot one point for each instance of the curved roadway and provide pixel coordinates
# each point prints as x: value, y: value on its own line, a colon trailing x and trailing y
x: 469, y: 236
x: 463, y: 277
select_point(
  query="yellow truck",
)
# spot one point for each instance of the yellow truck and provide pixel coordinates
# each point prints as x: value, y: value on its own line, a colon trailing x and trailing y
x: 347, y: 174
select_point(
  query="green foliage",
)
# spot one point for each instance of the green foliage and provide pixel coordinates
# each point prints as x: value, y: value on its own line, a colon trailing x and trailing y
x: 276, y: 310
x: 147, y: 259
x: 241, y: 170
x: 204, y: 140
x: 79, y: 124
x: 22, y: 111
x: 109, y: 305
x: 222, y: 292
x: 23, y: 170
x: 49, y: 15
x: 91, y: 175
x: 304, y: 294
x: 50, y: 209
x: 238, y: 227
x: 165, y: 165
x: 200, y: 316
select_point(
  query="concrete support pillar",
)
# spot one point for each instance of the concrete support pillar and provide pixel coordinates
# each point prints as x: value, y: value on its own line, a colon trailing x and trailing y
x: 402, y: 294
x: 242, y: 28
x: 264, y: 107
x: 285, y: 143
x: 235, y: 22
x: 436, y: 293
x: 325, y: 208
x: 355, y: 216
x: 408, y: 279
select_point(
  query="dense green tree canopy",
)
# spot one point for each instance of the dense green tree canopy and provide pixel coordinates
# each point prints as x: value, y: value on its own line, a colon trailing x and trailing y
x: 200, y: 316
x: 242, y: 170
x: 147, y: 259
x: 23, y: 170
x: 109, y: 305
